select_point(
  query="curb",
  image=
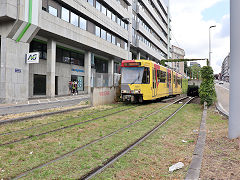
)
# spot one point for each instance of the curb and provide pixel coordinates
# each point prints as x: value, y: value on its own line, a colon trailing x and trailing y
x: 195, y: 166
x: 36, y: 104
x: 221, y: 111
x: 40, y: 115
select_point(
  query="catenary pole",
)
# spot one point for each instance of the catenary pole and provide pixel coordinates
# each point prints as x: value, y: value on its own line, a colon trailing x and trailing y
x: 234, y: 112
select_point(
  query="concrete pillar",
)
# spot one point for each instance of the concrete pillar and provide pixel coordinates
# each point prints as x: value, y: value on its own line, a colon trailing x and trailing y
x: 51, y: 66
x: 14, y: 72
x: 138, y: 55
x: 87, y: 69
x: 234, y: 113
x: 110, y: 72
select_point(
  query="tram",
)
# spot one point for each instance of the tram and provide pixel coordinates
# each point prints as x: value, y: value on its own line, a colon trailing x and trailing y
x: 146, y: 80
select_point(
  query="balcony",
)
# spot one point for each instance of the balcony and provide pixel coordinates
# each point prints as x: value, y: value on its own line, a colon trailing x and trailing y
x: 8, y: 10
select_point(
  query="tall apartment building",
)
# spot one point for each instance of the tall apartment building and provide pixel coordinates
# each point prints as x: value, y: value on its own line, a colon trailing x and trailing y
x: 76, y: 39
x: 225, y: 72
x: 178, y: 53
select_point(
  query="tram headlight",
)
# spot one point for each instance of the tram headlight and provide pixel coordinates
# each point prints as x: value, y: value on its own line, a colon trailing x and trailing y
x: 137, y: 91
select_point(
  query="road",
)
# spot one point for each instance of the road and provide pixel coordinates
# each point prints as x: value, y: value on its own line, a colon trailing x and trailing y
x: 222, y: 91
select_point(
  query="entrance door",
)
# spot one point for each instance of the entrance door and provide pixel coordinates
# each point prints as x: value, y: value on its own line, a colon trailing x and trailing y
x: 39, y: 84
x: 170, y: 82
x: 80, y: 83
x: 56, y: 85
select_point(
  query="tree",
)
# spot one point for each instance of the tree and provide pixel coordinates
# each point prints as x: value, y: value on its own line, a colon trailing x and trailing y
x: 207, y: 90
x: 196, y: 71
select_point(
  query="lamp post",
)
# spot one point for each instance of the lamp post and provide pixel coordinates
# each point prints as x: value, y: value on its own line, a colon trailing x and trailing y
x: 128, y: 46
x: 210, y: 44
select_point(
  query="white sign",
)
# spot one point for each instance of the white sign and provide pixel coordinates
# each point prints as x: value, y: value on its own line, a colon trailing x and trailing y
x: 32, y: 57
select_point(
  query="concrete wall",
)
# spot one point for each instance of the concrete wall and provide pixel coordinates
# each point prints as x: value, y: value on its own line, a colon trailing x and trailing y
x: 104, y: 95
x: 14, y: 71
x: 195, y: 82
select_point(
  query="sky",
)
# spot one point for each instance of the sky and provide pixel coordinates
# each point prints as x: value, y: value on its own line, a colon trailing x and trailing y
x: 190, y: 23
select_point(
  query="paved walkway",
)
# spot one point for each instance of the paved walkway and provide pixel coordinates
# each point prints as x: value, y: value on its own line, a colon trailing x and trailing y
x: 41, y: 104
x: 222, y: 99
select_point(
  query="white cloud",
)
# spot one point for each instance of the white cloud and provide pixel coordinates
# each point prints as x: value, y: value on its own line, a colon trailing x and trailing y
x: 192, y: 32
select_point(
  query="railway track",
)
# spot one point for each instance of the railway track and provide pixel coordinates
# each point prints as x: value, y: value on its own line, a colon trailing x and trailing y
x: 61, y: 128
x: 94, y: 141
x: 114, y: 158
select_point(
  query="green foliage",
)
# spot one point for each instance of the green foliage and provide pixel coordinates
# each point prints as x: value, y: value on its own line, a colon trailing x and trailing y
x: 207, y: 90
x: 184, y: 86
x: 196, y: 71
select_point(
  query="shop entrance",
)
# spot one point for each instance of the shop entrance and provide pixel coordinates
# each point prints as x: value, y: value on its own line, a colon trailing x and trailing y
x: 39, y: 84
x: 80, y: 82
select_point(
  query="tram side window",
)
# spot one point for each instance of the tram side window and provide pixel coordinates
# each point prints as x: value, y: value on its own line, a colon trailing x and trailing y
x: 158, y: 75
x: 146, y: 76
x: 163, y: 77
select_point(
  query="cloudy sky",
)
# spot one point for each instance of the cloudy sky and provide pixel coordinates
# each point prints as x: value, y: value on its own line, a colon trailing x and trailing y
x: 191, y: 20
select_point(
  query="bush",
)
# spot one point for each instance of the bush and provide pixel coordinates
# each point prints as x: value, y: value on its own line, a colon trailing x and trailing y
x: 207, y: 90
x: 184, y: 86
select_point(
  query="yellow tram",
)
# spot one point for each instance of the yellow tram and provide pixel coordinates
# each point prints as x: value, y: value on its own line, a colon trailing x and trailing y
x: 146, y: 80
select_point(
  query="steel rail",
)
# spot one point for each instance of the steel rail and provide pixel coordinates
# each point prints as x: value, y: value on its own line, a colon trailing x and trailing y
x: 65, y: 127
x: 114, y: 158
x: 93, y: 142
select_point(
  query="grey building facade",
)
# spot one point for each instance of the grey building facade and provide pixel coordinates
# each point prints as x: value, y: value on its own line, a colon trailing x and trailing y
x: 225, y: 72
x: 76, y: 39
x: 178, y: 53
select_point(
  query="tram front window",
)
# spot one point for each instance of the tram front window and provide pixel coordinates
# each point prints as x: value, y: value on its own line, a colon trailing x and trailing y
x: 135, y: 75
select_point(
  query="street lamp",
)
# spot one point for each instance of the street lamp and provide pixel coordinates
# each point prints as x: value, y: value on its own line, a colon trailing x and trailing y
x: 210, y: 44
x: 128, y: 48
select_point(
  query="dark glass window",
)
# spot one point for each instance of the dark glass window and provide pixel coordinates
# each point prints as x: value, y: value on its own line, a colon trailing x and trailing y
x: 77, y: 59
x: 163, y: 77
x: 36, y: 46
x: 69, y: 57
x: 66, y: 56
x: 146, y: 76
x: 101, y: 66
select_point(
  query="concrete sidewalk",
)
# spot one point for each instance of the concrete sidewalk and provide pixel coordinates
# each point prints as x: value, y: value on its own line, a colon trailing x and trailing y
x: 41, y: 104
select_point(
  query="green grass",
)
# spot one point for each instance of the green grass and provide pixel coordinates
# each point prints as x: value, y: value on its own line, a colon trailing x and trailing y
x: 86, y: 159
x: 50, y: 146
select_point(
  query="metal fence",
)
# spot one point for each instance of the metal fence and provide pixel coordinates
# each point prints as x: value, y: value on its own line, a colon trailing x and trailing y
x: 105, y: 79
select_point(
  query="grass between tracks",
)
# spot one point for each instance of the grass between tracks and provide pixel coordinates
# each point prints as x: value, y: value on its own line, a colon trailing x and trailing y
x: 221, y: 157
x: 152, y: 158
x: 81, y: 162
x: 24, y: 155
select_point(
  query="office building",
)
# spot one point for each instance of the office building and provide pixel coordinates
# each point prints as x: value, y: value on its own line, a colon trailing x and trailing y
x: 75, y: 40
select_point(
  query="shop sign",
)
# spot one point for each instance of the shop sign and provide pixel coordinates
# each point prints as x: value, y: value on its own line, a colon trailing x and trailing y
x: 32, y: 57
x: 18, y: 70
x: 78, y: 70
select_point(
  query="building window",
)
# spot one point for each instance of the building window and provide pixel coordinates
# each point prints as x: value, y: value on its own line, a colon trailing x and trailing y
x: 69, y: 57
x: 74, y: 19
x: 125, y: 46
x: 98, y: 6
x: 90, y: 2
x: 83, y: 23
x: 113, y: 17
x: 66, y: 56
x: 36, y: 46
x: 118, y: 21
x: 97, y: 31
x: 65, y: 14
x: 109, y: 37
x: 103, y: 34
x: 122, y: 23
x: 109, y: 14
x: 104, y: 10
x: 113, y: 40
x: 52, y: 10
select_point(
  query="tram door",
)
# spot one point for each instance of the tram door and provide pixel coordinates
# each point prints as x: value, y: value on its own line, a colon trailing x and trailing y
x: 154, y: 91
x: 170, y: 83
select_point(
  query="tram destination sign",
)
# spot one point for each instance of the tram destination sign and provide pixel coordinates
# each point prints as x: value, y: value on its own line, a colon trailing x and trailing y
x: 32, y: 57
